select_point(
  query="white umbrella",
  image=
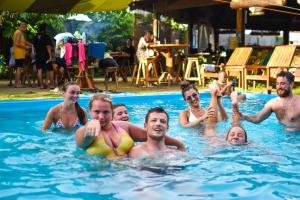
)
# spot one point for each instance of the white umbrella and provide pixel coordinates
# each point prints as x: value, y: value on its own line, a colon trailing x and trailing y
x: 59, y: 37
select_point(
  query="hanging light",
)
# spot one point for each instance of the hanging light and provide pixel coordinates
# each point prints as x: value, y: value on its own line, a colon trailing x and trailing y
x: 256, y: 11
x: 298, y: 1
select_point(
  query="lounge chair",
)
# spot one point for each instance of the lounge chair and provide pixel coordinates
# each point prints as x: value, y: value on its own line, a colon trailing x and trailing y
x: 280, y: 60
x: 233, y: 67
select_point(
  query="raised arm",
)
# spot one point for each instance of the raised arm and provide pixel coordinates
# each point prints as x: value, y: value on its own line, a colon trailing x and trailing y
x: 261, y: 116
x: 236, y: 116
x: 88, y: 133
x: 212, y: 120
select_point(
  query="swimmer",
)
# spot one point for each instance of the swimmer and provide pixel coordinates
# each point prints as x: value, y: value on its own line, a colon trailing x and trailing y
x: 236, y: 134
x: 111, y: 139
x: 156, y: 125
x: 286, y: 106
x: 195, y: 115
x: 68, y: 114
x: 120, y: 113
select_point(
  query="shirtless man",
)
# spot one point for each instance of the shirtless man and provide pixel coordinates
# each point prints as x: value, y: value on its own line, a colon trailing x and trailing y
x: 286, y: 106
x: 156, y: 125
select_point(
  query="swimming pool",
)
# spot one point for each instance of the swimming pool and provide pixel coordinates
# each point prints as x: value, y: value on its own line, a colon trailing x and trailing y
x: 34, y: 165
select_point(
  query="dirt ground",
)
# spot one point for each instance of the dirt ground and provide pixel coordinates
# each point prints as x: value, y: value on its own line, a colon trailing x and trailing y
x: 11, y: 93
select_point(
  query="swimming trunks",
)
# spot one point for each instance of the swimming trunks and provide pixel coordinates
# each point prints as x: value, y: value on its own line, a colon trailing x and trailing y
x: 99, y: 146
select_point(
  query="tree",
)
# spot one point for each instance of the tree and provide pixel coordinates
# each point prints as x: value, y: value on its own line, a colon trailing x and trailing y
x: 118, y: 27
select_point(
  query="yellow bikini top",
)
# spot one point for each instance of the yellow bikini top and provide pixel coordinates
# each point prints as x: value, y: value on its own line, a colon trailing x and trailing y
x: 99, y: 146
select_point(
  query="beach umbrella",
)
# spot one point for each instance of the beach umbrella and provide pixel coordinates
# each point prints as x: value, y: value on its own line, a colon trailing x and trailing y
x: 62, y: 6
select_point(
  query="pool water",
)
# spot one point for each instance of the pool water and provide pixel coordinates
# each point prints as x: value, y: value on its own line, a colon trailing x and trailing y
x: 35, y: 165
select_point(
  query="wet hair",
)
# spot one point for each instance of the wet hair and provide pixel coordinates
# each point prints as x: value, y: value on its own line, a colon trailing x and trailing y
x: 118, y: 105
x: 185, y: 86
x: 288, y: 75
x: 156, y: 110
x: 246, y: 139
x: 80, y: 112
x: 101, y: 97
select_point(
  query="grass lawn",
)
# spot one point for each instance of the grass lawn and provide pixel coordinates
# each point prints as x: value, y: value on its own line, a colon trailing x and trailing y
x: 11, y: 93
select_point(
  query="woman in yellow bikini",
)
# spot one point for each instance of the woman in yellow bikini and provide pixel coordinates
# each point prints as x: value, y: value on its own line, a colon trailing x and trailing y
x: 111, y: 139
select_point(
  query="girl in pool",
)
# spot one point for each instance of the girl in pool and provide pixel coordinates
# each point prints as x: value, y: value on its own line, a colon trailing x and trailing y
x: 111, y: 139
x: 195, y: 114
x: 120, y: 113
x: 67, y: 114
x: 236, y: 134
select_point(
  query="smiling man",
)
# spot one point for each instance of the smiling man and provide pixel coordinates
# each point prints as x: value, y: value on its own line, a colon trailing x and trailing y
x: 156, y: 125
x: 286, y: 106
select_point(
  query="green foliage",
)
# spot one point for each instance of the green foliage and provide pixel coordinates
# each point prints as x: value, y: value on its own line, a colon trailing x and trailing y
x: 2, y: 65
x: 9, y: 22
x: 118, y: 27
x: 176, y: 26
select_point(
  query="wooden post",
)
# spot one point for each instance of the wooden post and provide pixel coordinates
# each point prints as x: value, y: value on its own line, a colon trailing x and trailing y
x: 155, y: 28
x: 286, y: 36
x: 190, y: 34
x: 240, y: 26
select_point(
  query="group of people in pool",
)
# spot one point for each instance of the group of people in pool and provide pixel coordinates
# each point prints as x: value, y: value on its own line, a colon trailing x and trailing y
x: 110, y: 134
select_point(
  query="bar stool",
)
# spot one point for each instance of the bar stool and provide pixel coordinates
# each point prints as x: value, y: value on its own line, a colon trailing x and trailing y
x: 115, y: 71
x: 142, y: 73
x: 190, y: 67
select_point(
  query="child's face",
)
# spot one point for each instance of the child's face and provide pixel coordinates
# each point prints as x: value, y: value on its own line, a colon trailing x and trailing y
x: 222, y: 77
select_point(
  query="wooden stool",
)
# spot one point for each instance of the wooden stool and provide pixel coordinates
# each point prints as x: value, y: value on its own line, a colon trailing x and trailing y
x: 189, y: 66
x: 180, y: 69
x: 142, y: 72
x: 115, y: 71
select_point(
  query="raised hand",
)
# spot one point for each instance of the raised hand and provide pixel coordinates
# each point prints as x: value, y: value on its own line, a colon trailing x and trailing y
x: 92, y: 129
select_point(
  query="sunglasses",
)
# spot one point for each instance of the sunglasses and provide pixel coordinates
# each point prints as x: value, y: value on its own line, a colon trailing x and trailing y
x: 194, y: 95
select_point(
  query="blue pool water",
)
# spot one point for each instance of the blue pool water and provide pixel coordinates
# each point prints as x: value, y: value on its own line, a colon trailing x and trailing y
x: 34, y: 165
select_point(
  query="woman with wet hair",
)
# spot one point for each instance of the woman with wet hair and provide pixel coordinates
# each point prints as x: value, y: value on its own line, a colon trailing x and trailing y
x: 68, y: 114
x: 195, y: 114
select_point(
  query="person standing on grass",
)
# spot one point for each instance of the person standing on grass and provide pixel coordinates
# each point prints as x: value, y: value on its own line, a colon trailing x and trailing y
x: 20, y: 45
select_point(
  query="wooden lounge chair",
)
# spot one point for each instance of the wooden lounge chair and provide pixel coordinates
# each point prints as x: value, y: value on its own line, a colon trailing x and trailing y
x: 280, y: 60
x: 236, y: 63
x: 233, y: 67
x: 295, y: 66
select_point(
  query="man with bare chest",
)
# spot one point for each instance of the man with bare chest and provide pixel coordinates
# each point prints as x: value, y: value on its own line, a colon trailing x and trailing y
x: 286, y: 106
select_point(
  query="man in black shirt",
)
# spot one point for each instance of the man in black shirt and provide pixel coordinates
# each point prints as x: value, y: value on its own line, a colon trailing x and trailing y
x: 129, y: 49
x: 43, y: 55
